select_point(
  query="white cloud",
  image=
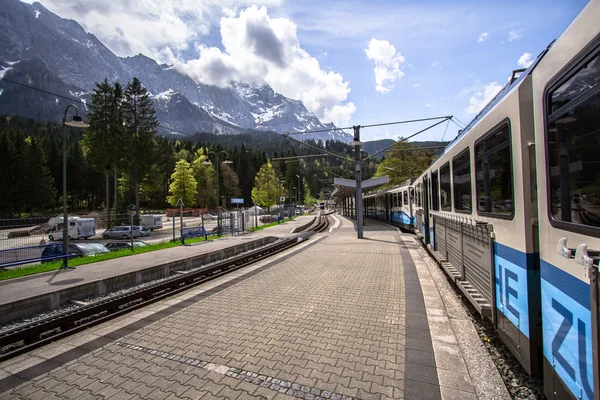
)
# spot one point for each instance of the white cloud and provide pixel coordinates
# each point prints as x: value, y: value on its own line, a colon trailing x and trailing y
x: 483, y: 37
x: 129, y: 27
x: 515, y: 34
x: 387, y: 64
x: 259, y: 49
x: 525, y: 60
x: 435, y: 64
x: 416, y: 85
x: 482, y: 97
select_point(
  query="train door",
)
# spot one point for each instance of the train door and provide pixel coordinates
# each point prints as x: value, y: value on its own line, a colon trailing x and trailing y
x: 425, y: 202
x: 569, y: 220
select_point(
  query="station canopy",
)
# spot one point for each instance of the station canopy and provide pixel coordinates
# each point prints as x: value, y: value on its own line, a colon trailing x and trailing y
x: 347, y: 187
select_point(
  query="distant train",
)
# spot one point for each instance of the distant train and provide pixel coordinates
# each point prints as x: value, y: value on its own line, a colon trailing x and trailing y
x: 511, y: 210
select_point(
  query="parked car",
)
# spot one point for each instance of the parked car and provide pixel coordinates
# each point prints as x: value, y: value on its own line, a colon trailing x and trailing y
x: 265, y: 219
x: 144, y: 231
x: 116, y: 246
x: 52, y: 251
x: 209, y: 216
x: 121, y: 232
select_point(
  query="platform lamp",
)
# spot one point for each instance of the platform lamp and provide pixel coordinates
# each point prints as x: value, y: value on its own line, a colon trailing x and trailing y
x: 218, y: 161
x: 76, y: 122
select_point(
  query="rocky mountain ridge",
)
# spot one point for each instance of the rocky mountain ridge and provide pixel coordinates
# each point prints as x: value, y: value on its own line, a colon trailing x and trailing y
x: 42, y: 50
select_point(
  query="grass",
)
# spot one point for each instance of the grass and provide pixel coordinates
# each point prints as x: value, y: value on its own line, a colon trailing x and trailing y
x: 74, y: 262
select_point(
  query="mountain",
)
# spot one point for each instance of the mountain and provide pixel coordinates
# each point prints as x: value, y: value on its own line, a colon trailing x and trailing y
x: 42, y: 50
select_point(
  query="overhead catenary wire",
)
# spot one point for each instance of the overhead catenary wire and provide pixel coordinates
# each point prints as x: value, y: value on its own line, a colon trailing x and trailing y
x: 445, y: 131
x: 298, y: 157
x: 319, y: 149
x: 406, y: 138
x: 408, y: 121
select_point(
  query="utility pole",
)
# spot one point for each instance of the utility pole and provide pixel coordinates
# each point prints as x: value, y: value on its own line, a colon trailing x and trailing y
x: 359, y: 206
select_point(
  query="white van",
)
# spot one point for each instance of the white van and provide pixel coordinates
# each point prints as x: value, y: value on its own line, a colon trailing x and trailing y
x: 79, y: 228
x: 151, y: 222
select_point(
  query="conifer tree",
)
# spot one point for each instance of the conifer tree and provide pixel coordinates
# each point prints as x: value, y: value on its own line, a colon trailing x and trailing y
x: 140, y: 128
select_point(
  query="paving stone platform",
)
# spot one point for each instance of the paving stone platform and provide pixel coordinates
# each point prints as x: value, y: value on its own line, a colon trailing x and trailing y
x: 334, y: 318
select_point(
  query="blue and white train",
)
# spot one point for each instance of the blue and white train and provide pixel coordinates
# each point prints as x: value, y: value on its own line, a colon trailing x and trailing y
x: 511, y: 210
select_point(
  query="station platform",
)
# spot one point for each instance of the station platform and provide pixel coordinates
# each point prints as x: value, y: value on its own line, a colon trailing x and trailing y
x: 332, y: 318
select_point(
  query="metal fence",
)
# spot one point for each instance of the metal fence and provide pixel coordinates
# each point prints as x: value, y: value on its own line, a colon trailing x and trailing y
x: 23, y: 240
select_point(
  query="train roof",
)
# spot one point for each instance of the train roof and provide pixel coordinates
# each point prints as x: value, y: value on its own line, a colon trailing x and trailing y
x: 512, y: 84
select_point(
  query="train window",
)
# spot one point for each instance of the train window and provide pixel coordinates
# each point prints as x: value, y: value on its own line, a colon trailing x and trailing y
x: 461, y: 180
x: 445, y: 187
x: 418, y: 195
x: 493, y: 168
x: 411, y: 194
x: 435, y: 198
x: 586, y: 78
x: 573, y: 145
x: 405, y: 197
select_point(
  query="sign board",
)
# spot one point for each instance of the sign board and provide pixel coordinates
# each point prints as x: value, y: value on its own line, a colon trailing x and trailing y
x: 282, y: 199
x: 237, y: 201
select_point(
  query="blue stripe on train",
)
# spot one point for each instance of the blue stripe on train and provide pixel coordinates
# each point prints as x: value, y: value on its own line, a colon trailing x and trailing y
x: 567, y: 330
x: 513, y: 270
x: 402, y: 218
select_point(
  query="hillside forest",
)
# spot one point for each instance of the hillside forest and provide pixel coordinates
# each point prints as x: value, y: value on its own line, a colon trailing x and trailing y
x: 121, y: 161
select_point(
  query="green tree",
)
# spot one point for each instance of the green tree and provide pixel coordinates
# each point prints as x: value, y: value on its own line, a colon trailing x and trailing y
x: 183, y: 184
x: 308, y: 197
x: 104, y: 138
x: 205, y: 176
x: 404, y: 162
x: 265, y: 188
x: 140, y: 128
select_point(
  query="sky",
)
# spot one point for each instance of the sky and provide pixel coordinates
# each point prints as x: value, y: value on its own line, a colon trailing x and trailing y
x: 350, y: 62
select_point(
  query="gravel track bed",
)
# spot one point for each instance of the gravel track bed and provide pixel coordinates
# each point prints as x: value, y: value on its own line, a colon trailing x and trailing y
x: 69, y: 307
x: 519, y: 383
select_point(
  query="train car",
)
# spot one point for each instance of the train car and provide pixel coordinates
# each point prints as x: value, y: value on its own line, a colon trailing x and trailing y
x: 394, y: 205
x: 566, y: 99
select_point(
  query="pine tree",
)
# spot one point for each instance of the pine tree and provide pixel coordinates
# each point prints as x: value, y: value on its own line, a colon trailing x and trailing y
x: 183, y: 185
x: 104, y: 138
x: 266, y: 186
x: 140, y: 129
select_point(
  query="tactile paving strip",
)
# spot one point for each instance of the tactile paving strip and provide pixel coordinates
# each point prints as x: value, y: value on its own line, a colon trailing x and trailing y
x: 278, y: 385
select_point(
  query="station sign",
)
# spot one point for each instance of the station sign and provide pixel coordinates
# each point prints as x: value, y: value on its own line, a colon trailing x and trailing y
x: 235, y: 200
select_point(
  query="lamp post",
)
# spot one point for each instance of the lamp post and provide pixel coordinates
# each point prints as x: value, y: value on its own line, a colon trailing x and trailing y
x: 218, y: 161
x: 76, y: 122
x: 359, y: 211
x: 298, y: 194
x: 281, y: 205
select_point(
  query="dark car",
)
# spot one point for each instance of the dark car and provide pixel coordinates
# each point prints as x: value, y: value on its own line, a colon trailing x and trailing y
x: 265, y: 219
x: 53, y: 251
x: 116, y: 246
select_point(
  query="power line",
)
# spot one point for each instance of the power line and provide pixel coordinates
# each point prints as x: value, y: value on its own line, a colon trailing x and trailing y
x: 406, y: 138
x: 367, y: 126
x: 319, y: 149
x: 456, y: 123
x: 74, y: 100
x: 298, y: 157
x: 445, y: 131
x: 460, y: 121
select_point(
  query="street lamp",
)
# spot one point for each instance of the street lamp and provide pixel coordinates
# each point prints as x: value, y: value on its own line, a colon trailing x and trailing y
x: 218, y: 161
x: 298, y: 176
x: 76, y: 122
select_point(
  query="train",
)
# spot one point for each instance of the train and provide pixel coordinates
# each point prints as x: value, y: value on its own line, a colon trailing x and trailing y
x: 511, y: 211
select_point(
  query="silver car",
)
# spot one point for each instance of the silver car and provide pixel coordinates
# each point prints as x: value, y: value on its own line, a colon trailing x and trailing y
x: 121, y: 232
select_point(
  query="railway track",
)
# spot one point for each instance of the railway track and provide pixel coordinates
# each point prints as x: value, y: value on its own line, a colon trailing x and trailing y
x: 24, y: 338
